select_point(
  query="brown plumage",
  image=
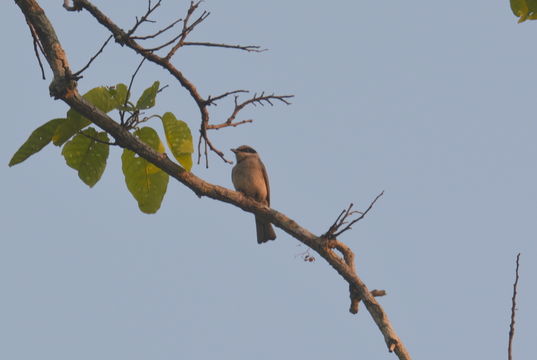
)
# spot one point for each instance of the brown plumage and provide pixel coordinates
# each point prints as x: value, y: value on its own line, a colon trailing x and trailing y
x: 250, y: 177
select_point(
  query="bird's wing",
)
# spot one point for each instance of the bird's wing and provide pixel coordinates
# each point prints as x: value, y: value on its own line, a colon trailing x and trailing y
x: 265, y: 176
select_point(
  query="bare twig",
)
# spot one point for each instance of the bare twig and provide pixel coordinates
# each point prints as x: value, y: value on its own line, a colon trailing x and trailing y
x: 152, y: 36
x: 145, y: 17
x: 513, y: 309
x: 229, y: 122
x: 212, y: 100
x: 209, y: 146
x: 248, y: 48
x: 162, y: 88
x: 127, y: 98
x: 336, y: 228
x: 37, y: 48
x: 261, y: 99
x: 77, y: 74
x: 167, y: 43
x: 188, y: 28
x: 132, y: 79
x: 96, y: 139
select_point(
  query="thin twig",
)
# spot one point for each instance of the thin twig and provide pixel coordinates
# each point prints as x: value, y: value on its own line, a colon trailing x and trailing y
x: 209, y: 146
x: 212, y: 100
x: 248, y: 48
x: 76, y: 75
x: 132, y: 79
x: 188, y: 28
x: 37, y: 47
x: 97, y: 140
x: 261, y: 99
x: 513, y: 309
x: 127, y: 98
x: 152, y: 36
x: 162, y: 88
x: 144, y: 18
x: 363, y: 214
x: 168, y: 43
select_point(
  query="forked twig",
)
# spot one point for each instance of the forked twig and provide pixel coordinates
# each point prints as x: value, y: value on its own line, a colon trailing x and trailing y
x: 342, y: 224
x: 188, y: 28
x: 161, y: 31
x: 144, y: 18
x: 257, y: 100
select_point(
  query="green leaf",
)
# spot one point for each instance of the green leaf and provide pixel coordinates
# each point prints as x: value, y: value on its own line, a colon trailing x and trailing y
x: 524, y: 9
x: 146, y: 182
x: 38, y: 139
x: 120, y: 94
x: 87, y: 155
x: 147, y: 100
x: 179, y: 139
x: 101, y: 97
x: 519, y: 7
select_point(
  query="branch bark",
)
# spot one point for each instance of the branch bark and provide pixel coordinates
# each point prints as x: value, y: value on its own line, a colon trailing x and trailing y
x: 64, y: 87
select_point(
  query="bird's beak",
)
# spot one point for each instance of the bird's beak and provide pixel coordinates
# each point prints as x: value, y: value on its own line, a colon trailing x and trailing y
x: 233, y: 150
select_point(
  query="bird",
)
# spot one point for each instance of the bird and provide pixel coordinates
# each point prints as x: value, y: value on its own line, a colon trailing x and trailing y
x: 250, y: 177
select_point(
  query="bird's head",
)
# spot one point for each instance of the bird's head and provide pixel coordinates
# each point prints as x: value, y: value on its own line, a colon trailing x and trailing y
x: 244, y: 152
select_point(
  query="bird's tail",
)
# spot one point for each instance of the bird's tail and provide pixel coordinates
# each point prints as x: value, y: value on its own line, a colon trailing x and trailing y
x: 265, y: 232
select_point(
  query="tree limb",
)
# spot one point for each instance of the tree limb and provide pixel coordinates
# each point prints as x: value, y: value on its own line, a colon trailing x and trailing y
x: 64, y: 87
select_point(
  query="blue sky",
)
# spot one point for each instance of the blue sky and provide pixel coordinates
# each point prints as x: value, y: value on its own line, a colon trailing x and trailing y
x: 434, y: 105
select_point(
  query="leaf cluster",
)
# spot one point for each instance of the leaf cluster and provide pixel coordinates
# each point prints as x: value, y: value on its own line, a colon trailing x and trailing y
x: 86, y: 150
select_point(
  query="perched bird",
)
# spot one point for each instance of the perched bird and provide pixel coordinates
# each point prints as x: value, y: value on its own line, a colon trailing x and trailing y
x: 250, y: 177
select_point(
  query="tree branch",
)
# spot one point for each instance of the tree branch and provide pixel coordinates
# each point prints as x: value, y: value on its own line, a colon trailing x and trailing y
x: 65, y: 88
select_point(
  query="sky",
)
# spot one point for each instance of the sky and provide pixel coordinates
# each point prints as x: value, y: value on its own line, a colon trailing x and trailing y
x: 432, y: 104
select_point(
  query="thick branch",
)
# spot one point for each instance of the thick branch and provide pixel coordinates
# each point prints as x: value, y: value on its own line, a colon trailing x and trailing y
x: 65, y: 88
